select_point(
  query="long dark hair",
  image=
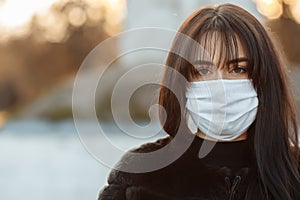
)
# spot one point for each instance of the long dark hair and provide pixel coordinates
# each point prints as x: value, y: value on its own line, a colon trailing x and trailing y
x: 274, y: 133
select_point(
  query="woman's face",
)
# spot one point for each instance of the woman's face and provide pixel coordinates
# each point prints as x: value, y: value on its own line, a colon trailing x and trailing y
x: 214, y: 67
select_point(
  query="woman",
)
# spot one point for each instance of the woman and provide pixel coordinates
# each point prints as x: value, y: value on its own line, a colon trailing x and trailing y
x: 239, y: 101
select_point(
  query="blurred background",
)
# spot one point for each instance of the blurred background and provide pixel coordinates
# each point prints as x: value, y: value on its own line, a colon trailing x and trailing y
x: 42, y: 45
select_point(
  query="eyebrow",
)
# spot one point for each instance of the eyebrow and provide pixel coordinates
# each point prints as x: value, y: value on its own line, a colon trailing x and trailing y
x: 235, y: 60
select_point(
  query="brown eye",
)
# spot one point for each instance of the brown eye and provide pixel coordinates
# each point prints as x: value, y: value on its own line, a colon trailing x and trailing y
x: 239, y: 70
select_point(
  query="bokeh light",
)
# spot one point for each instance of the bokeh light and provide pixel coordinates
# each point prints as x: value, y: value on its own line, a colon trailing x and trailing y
x: 77, y: 16
x: 53, y: 25
x: 295, y: 9
x: 56, y: 17
x: 14, y: 13
x: 272, y: 9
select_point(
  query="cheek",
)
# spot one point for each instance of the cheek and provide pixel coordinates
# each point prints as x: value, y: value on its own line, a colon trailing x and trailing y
x: 244, y: 76
x: 237, y: 76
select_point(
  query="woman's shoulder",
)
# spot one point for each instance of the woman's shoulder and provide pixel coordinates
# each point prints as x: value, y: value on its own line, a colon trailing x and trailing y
x: 152, y: 146
x: 120, y: 182
x: 121, y: 176
x: 186, y: 173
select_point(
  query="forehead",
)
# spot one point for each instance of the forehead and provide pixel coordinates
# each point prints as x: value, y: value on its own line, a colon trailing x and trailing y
x: 219, y: 47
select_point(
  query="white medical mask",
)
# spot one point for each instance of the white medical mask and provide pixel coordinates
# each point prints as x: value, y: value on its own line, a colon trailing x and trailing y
x: 222, y: 109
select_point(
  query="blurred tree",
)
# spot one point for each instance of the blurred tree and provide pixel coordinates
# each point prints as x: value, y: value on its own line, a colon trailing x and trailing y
x: 49, y: 49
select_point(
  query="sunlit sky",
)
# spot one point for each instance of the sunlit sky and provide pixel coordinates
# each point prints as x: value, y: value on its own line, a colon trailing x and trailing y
x: 15, y: 15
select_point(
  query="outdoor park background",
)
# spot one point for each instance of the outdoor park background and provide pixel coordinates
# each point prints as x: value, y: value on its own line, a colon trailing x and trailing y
x: 42, y: 45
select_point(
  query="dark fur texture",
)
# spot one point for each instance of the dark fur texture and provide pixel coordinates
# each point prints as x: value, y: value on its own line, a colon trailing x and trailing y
x: 188, y: 178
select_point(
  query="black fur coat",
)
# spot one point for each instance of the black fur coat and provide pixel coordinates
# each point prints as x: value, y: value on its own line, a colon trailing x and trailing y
x: 222, y: 174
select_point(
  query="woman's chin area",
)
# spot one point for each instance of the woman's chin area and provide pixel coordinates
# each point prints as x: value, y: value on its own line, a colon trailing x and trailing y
x: 206, y: 137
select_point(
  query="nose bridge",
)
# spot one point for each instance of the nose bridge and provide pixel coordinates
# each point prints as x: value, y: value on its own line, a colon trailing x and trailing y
x: 221, y: 68
x: 222, y: 72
